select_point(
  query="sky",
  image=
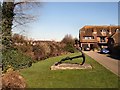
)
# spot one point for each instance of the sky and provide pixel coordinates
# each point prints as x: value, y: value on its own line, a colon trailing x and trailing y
x: 56, y: 19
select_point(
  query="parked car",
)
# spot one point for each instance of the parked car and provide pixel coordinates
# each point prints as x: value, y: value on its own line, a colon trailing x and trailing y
x: 105, y: 51
x: 86, y: 49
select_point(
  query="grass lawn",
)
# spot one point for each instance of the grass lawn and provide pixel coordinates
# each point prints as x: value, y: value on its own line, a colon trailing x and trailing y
x: 40, y: 75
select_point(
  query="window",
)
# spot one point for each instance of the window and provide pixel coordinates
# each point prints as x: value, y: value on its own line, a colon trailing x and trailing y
x: 88, y: 37
x: 103, y: 30
x: 102, y: 39
x: 108, y: 31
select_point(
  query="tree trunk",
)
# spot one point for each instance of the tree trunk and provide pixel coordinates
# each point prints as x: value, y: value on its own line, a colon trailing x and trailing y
x: 7, y: 19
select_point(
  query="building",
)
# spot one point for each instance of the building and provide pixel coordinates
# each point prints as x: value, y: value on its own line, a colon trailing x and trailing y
x: 114, y: 42
x: 96, y: 36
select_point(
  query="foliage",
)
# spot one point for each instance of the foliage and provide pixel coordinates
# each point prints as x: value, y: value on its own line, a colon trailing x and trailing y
x: 13, y: 79
x: 55, y: 49
x: 41, y: 50
x: 70, y: 48
x: 40, y: 73
x: 38, y: 52
x: 13, y: 15
x: 96, y: 47
x: 44, y: 50
x: 76, y: 41
x: 116, y: 50
x: 16, y: 60
x: 7, y: 18
x: 16, y: 38
x: 69, y: 41
x: 12, y: 58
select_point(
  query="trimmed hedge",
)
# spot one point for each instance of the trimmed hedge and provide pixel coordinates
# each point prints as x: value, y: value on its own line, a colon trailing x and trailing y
x: 15, y: 60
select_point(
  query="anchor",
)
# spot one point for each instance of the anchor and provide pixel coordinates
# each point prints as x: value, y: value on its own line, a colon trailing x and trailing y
x: 71, y: 58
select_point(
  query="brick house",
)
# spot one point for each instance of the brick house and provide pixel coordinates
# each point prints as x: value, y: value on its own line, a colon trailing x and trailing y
x: 93, y: 36
x: 114, y: 42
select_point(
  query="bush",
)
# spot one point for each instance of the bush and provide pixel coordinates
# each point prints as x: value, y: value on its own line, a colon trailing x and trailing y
x: 69, y: 42
x: 116, y: 50
x: 13, y: 80
x: 68, y: 39
x: 70, y: 48
x: 16, y: 60
x: 96, y: 47
x: 46, y: 49
x: 39, y: 52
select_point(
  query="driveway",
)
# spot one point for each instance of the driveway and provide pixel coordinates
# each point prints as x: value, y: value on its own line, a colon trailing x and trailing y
x: 109, y: 63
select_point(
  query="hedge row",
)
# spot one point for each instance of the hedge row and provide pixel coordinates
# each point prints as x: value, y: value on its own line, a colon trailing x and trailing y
x: 15, y: 60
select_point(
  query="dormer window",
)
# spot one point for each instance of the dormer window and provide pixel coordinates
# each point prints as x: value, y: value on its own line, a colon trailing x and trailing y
x: 103, y: 30
x: 117, y: 30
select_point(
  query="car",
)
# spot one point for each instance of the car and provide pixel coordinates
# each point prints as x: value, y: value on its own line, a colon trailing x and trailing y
x: 105, y: 51
x: 86, y: 49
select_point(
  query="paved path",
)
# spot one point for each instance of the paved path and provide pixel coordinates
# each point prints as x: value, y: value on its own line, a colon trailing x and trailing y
x: 109, y: 63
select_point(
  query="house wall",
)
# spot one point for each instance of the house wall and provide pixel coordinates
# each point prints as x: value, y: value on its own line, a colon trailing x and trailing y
x: 99, y: 33
x: 116, y: 38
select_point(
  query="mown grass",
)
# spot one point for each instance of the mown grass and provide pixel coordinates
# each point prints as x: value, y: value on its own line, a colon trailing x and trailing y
x: 40, y: 75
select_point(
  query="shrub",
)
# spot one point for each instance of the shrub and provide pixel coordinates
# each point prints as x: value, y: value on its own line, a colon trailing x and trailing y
x: 13, y: 80
x: 116, y: 50
x: 68, y: 39
x: 15, y: 59
x: 70, y: 48
x: 96, y: 47
x: 39, y: 52
x: 69, y: 42
x: 45, y: 49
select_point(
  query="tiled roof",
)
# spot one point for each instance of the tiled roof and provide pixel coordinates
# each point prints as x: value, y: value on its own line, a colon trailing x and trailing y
x: 88, y: 30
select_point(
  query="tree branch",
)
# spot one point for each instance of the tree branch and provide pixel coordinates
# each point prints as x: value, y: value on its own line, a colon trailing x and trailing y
x: 18, y: 3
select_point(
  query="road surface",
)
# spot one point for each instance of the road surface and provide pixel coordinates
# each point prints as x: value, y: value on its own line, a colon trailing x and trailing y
x: 108, y: 62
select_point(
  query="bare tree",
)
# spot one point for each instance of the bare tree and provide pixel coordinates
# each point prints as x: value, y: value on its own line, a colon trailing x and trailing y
x: 14, y: 12
x: 68, y: 39
x: 22, y: 12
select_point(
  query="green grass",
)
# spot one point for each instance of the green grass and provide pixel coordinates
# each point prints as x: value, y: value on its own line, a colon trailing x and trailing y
x: 40, y: 75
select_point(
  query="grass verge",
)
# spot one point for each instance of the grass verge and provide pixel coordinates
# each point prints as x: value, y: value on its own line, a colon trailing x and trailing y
x: 40, y: 75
